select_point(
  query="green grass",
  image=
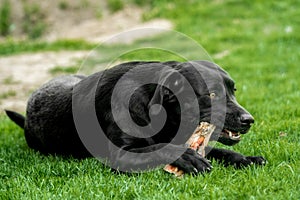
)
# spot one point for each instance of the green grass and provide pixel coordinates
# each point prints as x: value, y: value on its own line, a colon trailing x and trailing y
x: 7, y: 94
x: 115, y: 5
x: 262, y: 38
x: 34, y: 23
x: 63, y: 70
x: 157, y: 48
x: 9, y: 81
x: 5, y: 17
x: 10, y: 46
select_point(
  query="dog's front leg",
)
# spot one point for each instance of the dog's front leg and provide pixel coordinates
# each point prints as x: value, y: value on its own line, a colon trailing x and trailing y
x: 229, y: 157
x: 137, y: 159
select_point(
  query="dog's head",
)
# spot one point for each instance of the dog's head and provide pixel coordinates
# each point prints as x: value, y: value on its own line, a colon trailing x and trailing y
x: 214, y: 90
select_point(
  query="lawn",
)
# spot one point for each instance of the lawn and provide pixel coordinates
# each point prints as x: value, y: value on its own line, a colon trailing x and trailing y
x: 258, y: 43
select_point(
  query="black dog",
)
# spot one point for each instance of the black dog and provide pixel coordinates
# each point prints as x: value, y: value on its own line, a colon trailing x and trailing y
x: 199, y: 91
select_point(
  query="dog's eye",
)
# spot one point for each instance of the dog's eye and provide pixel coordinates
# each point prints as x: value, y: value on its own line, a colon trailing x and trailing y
x: 166, y: 92
x: 212, y: 95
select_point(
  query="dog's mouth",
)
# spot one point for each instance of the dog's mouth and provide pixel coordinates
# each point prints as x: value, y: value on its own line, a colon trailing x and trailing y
x: 228, y: 137
x: 231, y: 135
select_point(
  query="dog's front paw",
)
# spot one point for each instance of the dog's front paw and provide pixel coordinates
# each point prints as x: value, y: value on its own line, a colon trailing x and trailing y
x: 242, y: 161
x: 258, y: 160
x: 192, y: 162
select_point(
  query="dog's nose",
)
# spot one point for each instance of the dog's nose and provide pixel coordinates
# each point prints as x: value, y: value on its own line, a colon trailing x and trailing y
x: 247, y: 119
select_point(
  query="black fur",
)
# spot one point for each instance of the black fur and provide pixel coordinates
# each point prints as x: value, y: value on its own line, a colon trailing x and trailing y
x: 49, y: 125
x: 16, y: 117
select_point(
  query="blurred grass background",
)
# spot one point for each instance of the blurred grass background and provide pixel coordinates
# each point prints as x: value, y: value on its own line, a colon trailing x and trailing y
x: 257, y: 42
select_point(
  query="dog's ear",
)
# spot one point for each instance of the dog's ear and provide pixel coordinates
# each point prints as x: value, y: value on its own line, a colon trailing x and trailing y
x: 170, y: 84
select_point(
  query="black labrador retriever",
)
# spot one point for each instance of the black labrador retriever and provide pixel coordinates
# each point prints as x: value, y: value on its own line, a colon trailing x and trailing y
x: 168, y: 98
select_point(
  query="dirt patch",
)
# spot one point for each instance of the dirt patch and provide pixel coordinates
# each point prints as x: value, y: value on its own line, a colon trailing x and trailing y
x: 21, y: 74
x: 95, y: 30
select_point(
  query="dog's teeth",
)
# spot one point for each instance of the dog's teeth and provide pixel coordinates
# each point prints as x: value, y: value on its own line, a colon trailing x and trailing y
x: 237, y: 136
x: 233, y: 135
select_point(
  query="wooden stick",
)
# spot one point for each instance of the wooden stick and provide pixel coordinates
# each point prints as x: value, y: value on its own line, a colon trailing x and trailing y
x: 198, y: 141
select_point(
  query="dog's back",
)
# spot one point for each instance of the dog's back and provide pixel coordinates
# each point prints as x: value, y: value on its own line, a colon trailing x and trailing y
x: 49, y: 126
